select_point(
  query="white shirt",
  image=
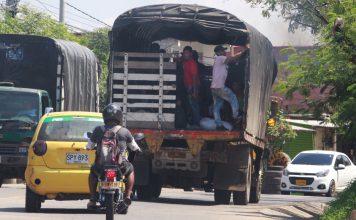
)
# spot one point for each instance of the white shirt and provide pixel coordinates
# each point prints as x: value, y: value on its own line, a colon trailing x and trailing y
x: 219, y: 72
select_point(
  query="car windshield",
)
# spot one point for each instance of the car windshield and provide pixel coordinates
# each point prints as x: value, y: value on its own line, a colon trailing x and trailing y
x: 313, y: 159
x: 20, y: 106
x: 68, y: 128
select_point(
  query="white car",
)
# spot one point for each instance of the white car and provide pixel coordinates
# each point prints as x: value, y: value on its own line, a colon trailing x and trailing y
x: 318, y: 172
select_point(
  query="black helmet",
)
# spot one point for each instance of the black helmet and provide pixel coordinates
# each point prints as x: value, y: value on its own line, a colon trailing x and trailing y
x: 112, y: 112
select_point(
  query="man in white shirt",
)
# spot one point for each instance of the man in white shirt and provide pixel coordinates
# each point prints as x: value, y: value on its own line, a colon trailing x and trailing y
x: 219, y: 91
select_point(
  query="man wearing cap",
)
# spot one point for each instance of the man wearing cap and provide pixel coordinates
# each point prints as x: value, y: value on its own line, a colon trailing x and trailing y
x: 219, y: 91
x: 191, y: 83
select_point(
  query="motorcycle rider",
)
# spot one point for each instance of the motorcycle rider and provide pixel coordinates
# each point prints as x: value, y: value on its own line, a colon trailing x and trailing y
x: 112, y: 115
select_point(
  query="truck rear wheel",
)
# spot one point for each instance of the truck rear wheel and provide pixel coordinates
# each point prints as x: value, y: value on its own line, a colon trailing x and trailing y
x: 1, y: 182
x: 243, y: 197
x: 222, y: 197
x: 33, y: 201
x: 255, y: 193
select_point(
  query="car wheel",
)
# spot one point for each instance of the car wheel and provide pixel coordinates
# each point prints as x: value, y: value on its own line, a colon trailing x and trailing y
x: 32, y: 202
x: 222, y: 197
x: 332, y: 189
x: 1, y: 182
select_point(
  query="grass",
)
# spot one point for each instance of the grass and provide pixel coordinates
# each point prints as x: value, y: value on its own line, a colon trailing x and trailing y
x: 341, y: 207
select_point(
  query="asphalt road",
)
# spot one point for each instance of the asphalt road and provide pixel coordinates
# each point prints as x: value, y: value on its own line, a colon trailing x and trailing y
x: 174, y: 204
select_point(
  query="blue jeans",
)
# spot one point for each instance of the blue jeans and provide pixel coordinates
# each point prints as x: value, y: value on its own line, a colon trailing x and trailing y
x: 219, y: 95
x: 194, y: 105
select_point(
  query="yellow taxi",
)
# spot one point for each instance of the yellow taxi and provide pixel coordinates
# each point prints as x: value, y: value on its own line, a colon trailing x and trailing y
x: 58, y: 165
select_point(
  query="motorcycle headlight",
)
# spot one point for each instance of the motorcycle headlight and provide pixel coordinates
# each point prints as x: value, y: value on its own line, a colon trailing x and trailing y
x: 285, y: 172
x: 323, y: 173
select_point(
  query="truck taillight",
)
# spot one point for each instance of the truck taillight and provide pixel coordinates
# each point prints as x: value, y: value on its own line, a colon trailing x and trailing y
x: 110, y: 175
x: 40, y: 148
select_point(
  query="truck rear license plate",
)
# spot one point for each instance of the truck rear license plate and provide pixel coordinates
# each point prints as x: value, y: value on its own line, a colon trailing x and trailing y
x: 73, y: 158
x: 300, y: 182
x: 175, y: 154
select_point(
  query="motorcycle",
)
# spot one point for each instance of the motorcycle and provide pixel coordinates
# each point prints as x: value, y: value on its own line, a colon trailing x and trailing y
x: 111, y: 189
x: 112, y: 185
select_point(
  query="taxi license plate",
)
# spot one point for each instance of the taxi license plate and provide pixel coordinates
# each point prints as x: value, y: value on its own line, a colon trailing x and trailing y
x: 301, y: 182
x: 110, y: 185
x: 73, y: 158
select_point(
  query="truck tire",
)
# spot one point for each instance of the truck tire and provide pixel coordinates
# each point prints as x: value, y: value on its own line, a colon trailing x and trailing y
x: 271, y: 189
x: 255, y: 193
x: 271, y: 174
x: 278, y: 159
x: 273, y: 180
x: 1, y: 182
x: 243, y: 197
x: 222, y: 197
x: 32, y: 202
x: 276, y: 168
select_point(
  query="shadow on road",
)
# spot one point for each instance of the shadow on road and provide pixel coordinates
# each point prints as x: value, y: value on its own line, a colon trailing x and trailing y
x: 176, y: 201
x: 52, y: 211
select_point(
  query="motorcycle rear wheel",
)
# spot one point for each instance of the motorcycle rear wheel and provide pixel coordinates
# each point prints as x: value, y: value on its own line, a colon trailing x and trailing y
x: 109, y: 199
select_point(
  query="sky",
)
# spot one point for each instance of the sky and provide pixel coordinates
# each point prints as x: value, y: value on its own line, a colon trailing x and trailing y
x: 274, y: 28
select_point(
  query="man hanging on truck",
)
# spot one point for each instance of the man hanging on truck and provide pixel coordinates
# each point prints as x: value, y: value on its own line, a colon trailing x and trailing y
x: 219, y: 90
x: 112, y: 115
x: 191, y: 83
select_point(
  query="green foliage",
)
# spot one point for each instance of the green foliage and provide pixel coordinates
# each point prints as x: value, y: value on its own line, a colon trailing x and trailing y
x: 340, y: 209
x: 303, y: 14
x: 33, y: 22
x: 280, y: 134
x: 331, y: 66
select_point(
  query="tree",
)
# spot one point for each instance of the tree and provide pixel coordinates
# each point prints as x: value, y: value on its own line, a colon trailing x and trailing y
x: 331, y: 66
x: 311, y: 14
x: 279, y: 132
x: 33, y: 22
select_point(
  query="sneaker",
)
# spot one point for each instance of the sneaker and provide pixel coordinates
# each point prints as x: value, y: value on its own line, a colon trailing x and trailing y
x: 91, y: 204
x: 221, y: 128
x: 122, y: 208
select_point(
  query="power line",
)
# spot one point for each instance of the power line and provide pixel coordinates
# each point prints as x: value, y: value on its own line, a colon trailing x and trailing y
x: 69, y: 12
x: 56, y: 16
x: 87, y: 14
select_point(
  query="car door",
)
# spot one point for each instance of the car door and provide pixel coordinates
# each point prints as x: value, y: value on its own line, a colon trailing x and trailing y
x: 340, y: 179
x: 349, y: 170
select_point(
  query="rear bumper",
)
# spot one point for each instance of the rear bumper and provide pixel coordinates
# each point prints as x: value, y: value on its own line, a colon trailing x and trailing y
x: 12, y: 166
x: 51, y: 182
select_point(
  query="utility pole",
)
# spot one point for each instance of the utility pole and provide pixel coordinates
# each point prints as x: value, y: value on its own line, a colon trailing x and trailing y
x: 61, y: 11
x: 11, y: 6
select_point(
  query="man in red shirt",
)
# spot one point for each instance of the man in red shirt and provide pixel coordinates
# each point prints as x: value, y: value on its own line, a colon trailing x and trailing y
x: 191, y: 83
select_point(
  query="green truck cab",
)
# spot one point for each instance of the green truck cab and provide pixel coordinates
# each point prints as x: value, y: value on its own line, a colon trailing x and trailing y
x: 20, y: 111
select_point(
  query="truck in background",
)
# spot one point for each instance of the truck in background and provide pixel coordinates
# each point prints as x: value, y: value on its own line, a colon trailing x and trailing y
x: 39, y: 74
x: 148, y: 87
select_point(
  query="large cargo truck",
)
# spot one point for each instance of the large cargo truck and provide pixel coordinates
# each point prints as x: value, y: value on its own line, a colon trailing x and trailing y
x: 148, y: 86
x: 37, y: 74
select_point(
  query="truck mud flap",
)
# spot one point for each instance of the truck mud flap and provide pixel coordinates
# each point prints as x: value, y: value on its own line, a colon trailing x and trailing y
x: 142, y: 166
x: 232, y: 175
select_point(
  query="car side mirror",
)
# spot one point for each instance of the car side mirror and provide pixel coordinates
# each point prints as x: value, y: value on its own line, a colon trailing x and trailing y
x: 138, y: 136
x: 341, y: 166
x: 48, y: 110
x: 88, y: 135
